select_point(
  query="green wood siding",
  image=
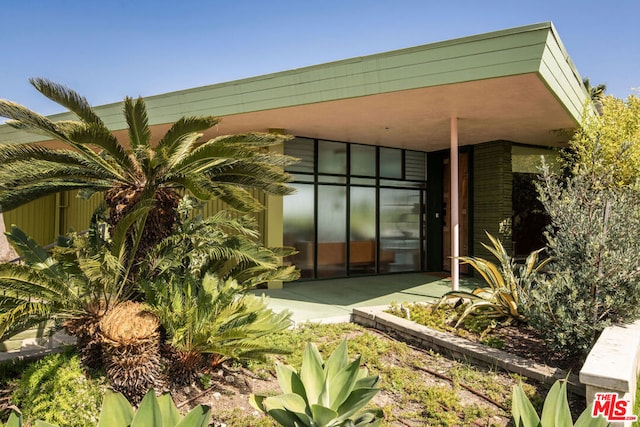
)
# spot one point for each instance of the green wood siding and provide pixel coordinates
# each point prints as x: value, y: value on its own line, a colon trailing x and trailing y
x: 492, y: 185
x: 77, y: 212
x: 562, y: 77
x: 214, y: 206
x: 530, y: 49
x: 37, y: 219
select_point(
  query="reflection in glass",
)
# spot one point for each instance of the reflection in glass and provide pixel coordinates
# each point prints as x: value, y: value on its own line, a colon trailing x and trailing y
x: 362, y: 232
x: 332, y: 231
x: 400, y: 227
x: 299, y: 227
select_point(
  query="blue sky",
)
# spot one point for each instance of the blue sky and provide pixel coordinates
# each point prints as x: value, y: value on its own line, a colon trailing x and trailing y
x: 109, y: 49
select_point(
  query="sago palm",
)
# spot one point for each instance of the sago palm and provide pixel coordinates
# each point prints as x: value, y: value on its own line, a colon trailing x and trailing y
x: 211, y: 319
x: 73, y: 286
x: 224, y: 244
x: 129, y: 171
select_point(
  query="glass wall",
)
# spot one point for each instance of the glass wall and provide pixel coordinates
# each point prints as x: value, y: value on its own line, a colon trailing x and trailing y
x: 400, y: 228
x: 358, y: 208
x: 529, y: 219
x: 299, y: 227
x: 332, y: 231
x: 362, y: 230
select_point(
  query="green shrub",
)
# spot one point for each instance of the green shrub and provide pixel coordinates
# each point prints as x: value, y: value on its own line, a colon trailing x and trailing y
x: 56, y: 389
x: 594, y: 278
x: 212, y: 317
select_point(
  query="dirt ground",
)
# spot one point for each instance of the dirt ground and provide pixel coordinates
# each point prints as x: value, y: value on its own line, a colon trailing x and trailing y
x: 231, y: 387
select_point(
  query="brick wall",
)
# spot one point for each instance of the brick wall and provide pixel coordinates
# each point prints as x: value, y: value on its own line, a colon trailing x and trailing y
x: 492, y: 185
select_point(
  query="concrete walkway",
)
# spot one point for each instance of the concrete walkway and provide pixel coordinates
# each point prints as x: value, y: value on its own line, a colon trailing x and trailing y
x: 332, y: 300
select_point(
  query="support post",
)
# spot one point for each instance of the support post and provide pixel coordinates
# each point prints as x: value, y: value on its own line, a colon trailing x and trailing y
x: 455, y: 220
x: 274, y: 217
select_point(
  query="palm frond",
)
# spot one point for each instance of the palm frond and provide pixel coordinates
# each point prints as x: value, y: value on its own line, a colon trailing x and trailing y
x: 135, y: 113
x: 20, y: 316
x: 68, y: 98
x: 254, y: 139
x: 184, y: 126
x: 23, y: 118
x: 182, y: 148
x: 10, y: 153
x: 271, y: 182
x: 22, y: 173
x: 122, y: 164
x: 236, y: 197
x: 192, y: 184
x: 211, y: 154
x: 20, y: 281
x: 11, y: 198
x: 29, y: 250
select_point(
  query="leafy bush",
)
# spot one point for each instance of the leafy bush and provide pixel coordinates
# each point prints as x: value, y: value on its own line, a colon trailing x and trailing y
x: 555, y: 412
x: 323, y: 394
x: 224, y: 244
x: 594, y: 278
x: 57, y: 390
x: 213, y: 317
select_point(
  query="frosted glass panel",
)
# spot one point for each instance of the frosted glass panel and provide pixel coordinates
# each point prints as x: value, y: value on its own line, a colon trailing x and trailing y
x: 303, y: 149
x: 390, y: 163
x: 299, y: 227
x: 362, y: 234
x: 363, y: 160
x: 332, y: 157
x: 415, y: 165
x: 400, y: 228
x: 332, y: 231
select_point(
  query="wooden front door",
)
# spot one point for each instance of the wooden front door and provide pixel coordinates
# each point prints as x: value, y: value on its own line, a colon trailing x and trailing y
x: 463, y: 213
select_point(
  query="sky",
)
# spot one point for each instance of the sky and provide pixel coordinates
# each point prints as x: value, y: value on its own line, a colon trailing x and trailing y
x: 109, y: 49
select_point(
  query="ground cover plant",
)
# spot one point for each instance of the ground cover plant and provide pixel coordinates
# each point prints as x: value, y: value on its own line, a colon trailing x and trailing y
x: 417, y: 387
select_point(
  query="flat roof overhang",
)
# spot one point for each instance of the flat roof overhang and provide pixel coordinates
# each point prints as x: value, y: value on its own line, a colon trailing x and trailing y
x: 517, y: 85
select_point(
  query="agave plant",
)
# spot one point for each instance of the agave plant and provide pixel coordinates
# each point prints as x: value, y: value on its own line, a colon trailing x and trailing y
x: 329, y: 394
x: 152, y: 412
x: 211, y: 317
x: 96, y: 161
x: 555, y: 412
x: 501, y: 299
x: 15, y: 420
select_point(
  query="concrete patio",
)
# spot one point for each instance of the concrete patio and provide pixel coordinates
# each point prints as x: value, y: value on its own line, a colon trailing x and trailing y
x: 333, y: 300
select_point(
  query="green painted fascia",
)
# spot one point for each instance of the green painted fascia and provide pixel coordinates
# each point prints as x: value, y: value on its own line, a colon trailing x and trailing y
x: 492, y: 55
x: 561, y: 76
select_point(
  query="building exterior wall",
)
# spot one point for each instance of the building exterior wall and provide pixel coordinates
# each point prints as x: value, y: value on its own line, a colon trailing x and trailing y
x: 37, y: 219
x: 76, y: 213
x: 492, y: 191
